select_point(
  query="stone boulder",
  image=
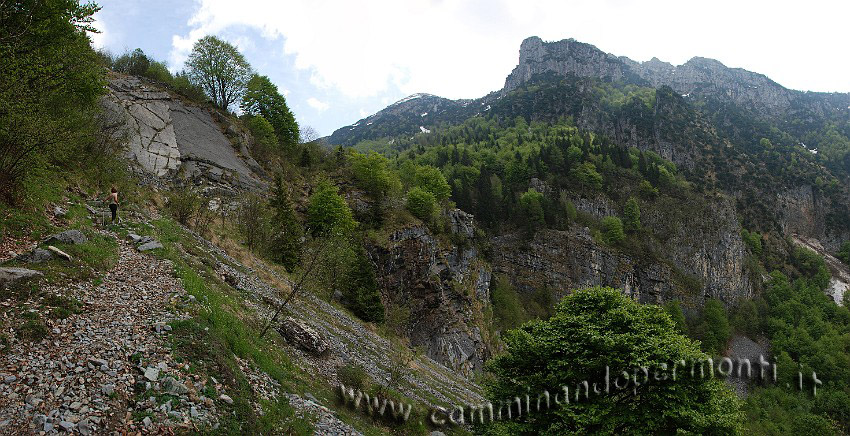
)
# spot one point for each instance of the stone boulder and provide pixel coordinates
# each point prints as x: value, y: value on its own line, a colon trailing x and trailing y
x: 152, y: 245
x: 36, y: 256
x: 302, y: 336
x: 11, y: 277
x: 73, y: 237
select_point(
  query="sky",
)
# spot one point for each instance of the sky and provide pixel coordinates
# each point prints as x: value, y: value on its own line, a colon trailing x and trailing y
x: 338, y: 61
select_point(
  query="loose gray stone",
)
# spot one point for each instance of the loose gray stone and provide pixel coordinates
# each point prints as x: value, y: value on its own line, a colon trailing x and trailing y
x: 147, y: 421
x: 58, y: 212
x: 149, y: 246
x: 37, y: 256
x: 107, y: 389
x: 172, y: 386
x: 226, y: 398
x: 74, y: 237
x: 67, y: 426
x: 134, y: 238
x: 152, y: 373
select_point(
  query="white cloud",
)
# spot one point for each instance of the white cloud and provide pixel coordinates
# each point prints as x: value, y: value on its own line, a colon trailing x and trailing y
x: 317, y: 104
x: 465, y: 49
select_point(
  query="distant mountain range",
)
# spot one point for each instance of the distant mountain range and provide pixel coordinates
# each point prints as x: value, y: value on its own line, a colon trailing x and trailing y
x: 697, y: 79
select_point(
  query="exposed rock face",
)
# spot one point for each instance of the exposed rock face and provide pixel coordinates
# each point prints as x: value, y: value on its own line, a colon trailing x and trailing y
x: 566, y: 260
x: 713, y: 254
x: 444, y: 290
x: 167, y: 137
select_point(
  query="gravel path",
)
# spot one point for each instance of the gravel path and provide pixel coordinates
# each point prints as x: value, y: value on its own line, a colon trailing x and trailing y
x: 82, y: 375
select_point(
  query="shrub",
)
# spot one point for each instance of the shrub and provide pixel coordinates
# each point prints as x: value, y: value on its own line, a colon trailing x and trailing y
x: 158, y: 71
x: 353, y: 376
x: 532, y: 216
x: 253, y: 222
x: 753, y: 240
x: 184, y: 205
x: 421, y: 203
x: 631, y: 213
x: 844, y: 253
x: 612, y: 230
x: 713, y: 329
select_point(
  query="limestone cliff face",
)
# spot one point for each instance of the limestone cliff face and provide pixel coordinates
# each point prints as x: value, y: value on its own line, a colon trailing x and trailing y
x: 566, y: 260
x: 168, y: 138
x: 699, y: 77
x: 696, y: 261
x: 444, y: 288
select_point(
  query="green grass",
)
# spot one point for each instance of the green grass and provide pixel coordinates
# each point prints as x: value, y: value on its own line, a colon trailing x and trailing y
x: 33, y: 330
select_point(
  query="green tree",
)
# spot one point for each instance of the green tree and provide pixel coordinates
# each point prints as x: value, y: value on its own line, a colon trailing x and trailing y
x: 714, y: 329
x: 219, y: 69
x: 158, y: 71
x: 597, y: 331
x: 361, y: 294
x: 421, y: 203
x: 50, y: 84
x: 432, y: 180
x: 287, y: 231
x: 135, y: 63
x: 262, y: 98
x: 532, y: 216
x: 753, y: 240
x: 844, y: 253
x: 327, y: 212
x: 674, y: 309
x: 632, y: 215
x: 373, y: 175
x: 588, y: 176
x: 612, y: 230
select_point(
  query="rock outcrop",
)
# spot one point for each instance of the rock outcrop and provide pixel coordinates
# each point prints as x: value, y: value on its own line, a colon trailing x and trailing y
x: 168, y: 137
x: 443, y: 288
x: 698, y: 262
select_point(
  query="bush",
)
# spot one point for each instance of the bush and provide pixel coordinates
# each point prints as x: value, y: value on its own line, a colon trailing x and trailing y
x: 186, y: 88
x: 612, y: 230
x: 253, y: 222
x: 158, y: 72
x: 184, y: 205
x: 532, y: 216
x: 713, y: 329
x: 361, y: 294
x: 353, y: 376
x: 631, y: 213
x: 753, y: 240
x: 844, y: 253
x: 421, y: 203
x: 135, y: 63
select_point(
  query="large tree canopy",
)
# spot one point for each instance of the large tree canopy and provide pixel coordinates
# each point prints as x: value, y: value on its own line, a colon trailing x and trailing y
x: 219, y: 69
x: 262, y: 98
x: 50, y: 82
x: 597, y: 328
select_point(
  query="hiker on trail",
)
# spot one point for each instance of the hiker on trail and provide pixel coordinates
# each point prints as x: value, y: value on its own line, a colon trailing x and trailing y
x: 113, y: 203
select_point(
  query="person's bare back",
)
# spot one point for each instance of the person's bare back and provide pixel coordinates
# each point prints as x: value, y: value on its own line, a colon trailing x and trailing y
x: 113, y: 203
